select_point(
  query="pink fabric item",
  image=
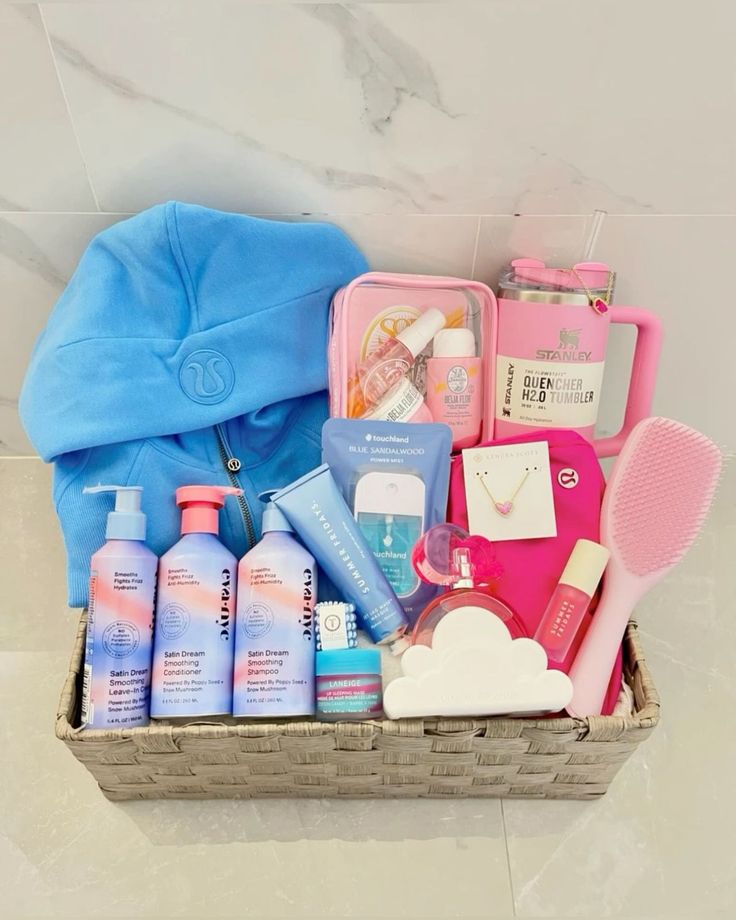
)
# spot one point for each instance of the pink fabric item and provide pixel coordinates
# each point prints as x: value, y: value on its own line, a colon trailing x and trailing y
x: 532, y: 567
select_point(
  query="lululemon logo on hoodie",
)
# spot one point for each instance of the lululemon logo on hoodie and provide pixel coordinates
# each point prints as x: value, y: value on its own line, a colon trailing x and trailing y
x: 206, y: 376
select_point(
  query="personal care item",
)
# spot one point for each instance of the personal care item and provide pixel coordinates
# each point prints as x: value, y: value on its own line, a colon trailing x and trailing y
x: 228, y: 375
x: 394, y: 478
x: 389, y: 509
x: 117, y: 658
x: 349, y: 684
x: 532, y: 568
x: 447, y: 555
x: 376, y: 307
x: 274, y: 629
x: 658, y: 495
x: 552, y: 333
x: 404, y: 403
x: 318, y: 513
x: 194, y: 635
x: 571, y: 599
x: 382, y: 369
x: 473, y: 667
x: 455, y: 385
x: 335, y: 625
x: 508, y: 491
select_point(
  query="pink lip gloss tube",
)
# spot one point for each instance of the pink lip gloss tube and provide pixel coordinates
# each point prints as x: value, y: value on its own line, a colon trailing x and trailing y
x: 571, y: 599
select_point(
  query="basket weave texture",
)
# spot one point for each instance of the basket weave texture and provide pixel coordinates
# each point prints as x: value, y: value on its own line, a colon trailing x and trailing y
x: 561, y: 758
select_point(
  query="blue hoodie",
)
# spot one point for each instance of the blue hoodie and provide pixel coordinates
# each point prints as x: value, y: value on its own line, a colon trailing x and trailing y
x: 189, y: 347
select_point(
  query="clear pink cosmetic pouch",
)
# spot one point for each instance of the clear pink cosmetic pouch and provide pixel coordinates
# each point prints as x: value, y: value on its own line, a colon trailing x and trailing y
x: 377, y: 306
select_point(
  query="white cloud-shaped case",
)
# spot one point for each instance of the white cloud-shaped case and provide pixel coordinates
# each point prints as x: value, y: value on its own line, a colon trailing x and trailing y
x: 475, y: 668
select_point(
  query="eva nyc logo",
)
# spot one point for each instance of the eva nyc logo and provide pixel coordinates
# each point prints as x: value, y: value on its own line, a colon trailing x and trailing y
x: 206, y: 376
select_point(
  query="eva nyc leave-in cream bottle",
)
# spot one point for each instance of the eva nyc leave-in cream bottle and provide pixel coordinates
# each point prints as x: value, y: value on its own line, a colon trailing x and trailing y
x: 117, y: 657
x: 194, y: 636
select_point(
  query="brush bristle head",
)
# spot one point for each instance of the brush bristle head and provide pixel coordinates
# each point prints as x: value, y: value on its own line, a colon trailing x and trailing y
x: 659, y: 494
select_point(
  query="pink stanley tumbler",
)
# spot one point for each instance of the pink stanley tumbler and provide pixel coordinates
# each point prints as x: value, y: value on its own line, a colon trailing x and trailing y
x: 552, y: 334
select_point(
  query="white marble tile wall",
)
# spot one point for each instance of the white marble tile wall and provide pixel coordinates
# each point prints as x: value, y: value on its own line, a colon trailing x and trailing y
x: 444, y: 136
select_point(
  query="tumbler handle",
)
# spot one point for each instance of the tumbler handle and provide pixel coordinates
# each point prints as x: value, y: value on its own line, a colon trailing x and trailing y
x: 643, y: 374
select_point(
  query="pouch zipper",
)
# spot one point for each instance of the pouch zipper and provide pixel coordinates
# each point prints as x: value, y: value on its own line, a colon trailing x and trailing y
x: 232, y: 466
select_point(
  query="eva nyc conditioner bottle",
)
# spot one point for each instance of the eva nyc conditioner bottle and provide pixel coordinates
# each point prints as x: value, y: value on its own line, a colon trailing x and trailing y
x: 194, y: 635
x: 117, y: 657
x: 274, y: 645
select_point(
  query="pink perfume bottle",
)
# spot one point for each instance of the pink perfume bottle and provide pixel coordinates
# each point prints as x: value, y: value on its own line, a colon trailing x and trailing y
x: 448, y: 555
x: 385, y: 367
x: 571, y: 599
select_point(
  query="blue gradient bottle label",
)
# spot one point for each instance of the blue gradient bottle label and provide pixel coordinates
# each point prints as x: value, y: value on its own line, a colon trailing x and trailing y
x: 274, y: 655
x: 117, y: 661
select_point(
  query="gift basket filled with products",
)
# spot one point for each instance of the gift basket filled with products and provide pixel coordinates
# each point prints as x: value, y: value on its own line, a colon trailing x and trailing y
x: 343, y: 533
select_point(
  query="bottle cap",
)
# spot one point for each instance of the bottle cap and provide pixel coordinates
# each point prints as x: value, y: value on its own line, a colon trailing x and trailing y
x: 348, y: 661
x: 421, y: 332
x: 273, y: 518
x: 127, y: 521
x: 447, y: 555
x: 200, y: 506
x: 585, y: 566
x: 454, y: 343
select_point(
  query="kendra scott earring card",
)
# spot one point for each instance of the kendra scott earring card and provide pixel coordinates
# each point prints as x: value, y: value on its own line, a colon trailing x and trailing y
x: 509, y: 491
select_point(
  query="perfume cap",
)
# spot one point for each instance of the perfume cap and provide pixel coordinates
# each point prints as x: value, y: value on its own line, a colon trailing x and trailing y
x: 421, y: 332
x: 585, y: 566
x: 447, y: 554
x: 454, y: 343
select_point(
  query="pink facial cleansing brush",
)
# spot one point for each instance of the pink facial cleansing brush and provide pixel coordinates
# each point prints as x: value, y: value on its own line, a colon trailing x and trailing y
x: 656, y: 500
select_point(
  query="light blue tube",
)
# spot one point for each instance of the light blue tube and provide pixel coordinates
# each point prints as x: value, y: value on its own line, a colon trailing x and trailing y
x: 318, y: 513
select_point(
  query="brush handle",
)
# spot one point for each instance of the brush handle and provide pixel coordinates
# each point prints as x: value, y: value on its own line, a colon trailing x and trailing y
x: 591, y: 670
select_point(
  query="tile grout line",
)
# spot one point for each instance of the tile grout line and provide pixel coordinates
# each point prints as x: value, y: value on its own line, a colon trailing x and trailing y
x: 64, y: 96
x: 508, y: 857
x: 475, y: 248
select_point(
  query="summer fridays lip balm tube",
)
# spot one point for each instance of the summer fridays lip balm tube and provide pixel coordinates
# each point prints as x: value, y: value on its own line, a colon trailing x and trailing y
x: 318, y: 513
x: 571, y: 599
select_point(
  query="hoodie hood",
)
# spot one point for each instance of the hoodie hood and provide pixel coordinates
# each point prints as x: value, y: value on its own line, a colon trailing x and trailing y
x: 181, y: 318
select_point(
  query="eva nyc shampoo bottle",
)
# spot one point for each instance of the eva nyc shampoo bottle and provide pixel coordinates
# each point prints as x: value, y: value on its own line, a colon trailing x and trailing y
x: 274, y: 644
x: 117, y: 658
x: 194, y: 636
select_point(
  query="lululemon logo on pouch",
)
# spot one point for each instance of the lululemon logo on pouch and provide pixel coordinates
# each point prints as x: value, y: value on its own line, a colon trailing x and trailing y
x: 568, y: 478
x: 206, y: 376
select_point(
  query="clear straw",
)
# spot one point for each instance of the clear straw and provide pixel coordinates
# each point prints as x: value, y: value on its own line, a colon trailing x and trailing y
x: 595, y: 230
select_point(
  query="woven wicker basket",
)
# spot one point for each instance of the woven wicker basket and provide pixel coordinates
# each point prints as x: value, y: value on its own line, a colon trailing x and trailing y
x: 531, y: 758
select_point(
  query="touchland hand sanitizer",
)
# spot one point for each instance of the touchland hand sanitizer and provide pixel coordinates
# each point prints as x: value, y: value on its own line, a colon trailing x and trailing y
x: 194, y: 635
x: 117, y: 657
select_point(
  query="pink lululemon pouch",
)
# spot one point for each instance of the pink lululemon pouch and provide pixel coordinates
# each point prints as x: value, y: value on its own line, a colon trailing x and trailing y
x: 532, y: 568
x: 377, y: 306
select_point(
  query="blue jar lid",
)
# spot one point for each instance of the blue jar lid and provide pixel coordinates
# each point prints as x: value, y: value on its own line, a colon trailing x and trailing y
x: 348, y: 661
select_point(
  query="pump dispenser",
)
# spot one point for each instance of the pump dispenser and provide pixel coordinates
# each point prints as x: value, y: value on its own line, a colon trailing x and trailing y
x: 274, y: 636
x: 194, y: 638
x: 117, y: 659
x: 448, y: 555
